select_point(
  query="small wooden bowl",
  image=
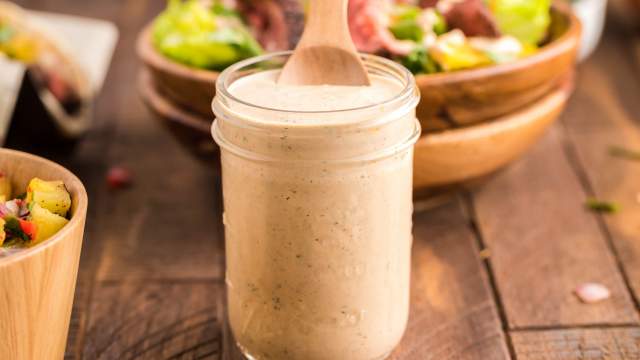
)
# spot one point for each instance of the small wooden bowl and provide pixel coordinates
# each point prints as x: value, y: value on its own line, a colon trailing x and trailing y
x: 467, y: 154
x: 471, y: 96
x: 192, y: 130
x: 188, y: 87
x: 37, y: 284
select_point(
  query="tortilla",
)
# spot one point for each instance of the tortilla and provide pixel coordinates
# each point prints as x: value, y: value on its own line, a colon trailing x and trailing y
x: 50, y: 54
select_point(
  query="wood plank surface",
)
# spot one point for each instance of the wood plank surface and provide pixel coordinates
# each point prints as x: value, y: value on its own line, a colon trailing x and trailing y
x: 453, y: 314
x: 544, y: 243
x: 169, y: 216
x: 154, y: 320
x: 583, y: 344
x: 605, y: 114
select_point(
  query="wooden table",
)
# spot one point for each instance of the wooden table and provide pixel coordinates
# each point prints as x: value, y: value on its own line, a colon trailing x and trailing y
x: 493, y: 270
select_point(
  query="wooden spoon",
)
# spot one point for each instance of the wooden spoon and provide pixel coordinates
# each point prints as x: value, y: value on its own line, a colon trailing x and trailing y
x: 326, y: 53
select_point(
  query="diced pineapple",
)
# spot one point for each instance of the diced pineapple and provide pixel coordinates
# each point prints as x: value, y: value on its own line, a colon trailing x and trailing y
x: 452, y: 51
x: 3, y: 235
x: 5, y: 187
x: 47, y: 223
x: 51, y: 195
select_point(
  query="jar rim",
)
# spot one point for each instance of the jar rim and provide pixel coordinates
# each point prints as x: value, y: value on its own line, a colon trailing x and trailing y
x: 406, y: 76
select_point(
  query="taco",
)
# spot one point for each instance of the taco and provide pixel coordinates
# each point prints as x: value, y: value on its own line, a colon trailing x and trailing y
x: 62, y: 85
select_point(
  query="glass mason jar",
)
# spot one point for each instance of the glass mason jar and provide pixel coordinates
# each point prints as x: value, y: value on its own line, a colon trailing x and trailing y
x: 318, y: 217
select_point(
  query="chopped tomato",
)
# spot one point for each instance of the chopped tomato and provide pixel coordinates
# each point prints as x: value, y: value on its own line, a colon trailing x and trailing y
x: 30, y: 229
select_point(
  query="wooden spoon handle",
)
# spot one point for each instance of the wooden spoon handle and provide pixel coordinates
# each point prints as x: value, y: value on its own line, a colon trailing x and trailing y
x: 327, y: 24
x: 326, y: 53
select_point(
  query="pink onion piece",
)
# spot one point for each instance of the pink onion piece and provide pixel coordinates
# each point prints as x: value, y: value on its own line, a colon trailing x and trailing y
x: 13, y: 207
x: 4, y: 210
x: 590, y: 293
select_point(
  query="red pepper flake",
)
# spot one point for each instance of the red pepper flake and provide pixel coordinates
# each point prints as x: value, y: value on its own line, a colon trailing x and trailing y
x: 119, y: 177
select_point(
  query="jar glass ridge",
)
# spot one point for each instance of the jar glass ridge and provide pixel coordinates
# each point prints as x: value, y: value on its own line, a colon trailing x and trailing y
x: 241, y: 117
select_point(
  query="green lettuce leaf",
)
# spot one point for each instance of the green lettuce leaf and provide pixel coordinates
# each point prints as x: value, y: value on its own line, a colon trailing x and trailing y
x: 526, y: 20
x: 198, y: 36
x: 405, y: 23
x: 420, y: 62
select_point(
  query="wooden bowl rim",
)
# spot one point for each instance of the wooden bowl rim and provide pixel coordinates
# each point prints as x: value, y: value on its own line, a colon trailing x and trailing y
x: 75, y: 221
x: 566, y: 42
x: 494, y: 126
x: 168, y: 110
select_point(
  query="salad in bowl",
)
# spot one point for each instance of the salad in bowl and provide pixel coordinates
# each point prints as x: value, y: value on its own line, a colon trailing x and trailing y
x: 474, y: 60
x: 33, y: 216
x: 215, y: 34
x: 186, y: 46
x: 430, y: 36
x: 427, y: 36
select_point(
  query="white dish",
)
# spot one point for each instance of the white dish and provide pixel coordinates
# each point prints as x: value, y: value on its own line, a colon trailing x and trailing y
x: 592, y: 15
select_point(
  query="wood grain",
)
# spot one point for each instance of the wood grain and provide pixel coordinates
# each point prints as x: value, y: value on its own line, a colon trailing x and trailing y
x: 584, y: 344
x: 544, y: 243
x: 158, y: 320
x: 608, y: 116
x: 37, y: 285
x: 464, y: 154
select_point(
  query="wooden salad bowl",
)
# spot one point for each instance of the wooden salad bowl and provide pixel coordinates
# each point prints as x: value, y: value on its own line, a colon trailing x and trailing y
x: 449, y: 157
x: 449, y: 100
x: 466, y: 154
x: 37, y: 284
x: 466, y: 97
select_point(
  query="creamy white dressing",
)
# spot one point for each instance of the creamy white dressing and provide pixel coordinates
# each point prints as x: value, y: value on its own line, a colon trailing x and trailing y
x: 261, y: 89
x: 318, y: 251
